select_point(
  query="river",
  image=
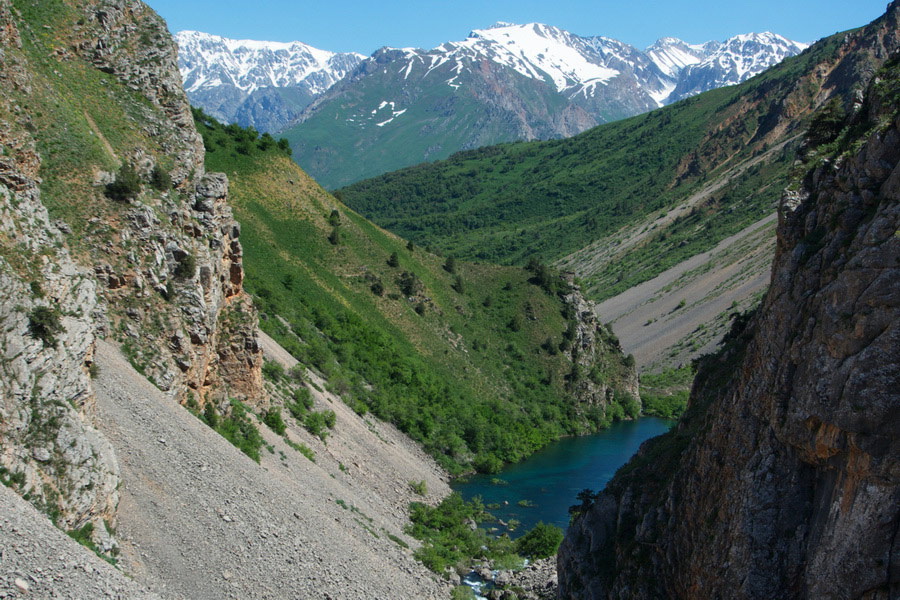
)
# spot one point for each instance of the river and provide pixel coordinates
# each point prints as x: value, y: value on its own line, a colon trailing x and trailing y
x: 543, y: 486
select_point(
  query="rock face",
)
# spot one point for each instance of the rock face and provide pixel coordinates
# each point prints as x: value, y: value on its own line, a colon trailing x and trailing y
x: 783, y: 480
x: 597, y: 359
x: 47, y: 306
x: 160, y: 271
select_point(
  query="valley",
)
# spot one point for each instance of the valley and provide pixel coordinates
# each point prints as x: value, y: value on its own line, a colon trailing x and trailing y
x: 660, y: 348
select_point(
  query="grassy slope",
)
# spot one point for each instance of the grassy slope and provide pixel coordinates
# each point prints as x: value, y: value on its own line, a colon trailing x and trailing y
x: 509, y: 202
x: 457, y: 377
x: 340, y: 142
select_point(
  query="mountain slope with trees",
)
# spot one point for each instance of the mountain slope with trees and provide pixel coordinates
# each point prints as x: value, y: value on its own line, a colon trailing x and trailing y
x: 550, y: 199
x: 481, y: 364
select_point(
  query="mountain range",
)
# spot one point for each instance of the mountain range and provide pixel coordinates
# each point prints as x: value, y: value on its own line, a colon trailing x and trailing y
x: 264, y: 84
x: 403, y: 106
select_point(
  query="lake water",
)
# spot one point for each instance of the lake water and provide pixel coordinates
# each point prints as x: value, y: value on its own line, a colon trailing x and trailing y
x: 549, y: 480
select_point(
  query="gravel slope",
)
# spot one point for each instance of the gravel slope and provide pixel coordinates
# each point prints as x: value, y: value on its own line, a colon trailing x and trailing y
x: 198, y: 519
x: 37, y: 560
x: 379, y: 461
x: 651, y: 325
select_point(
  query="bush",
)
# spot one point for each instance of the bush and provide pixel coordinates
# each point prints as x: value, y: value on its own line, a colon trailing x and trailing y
x: 186, y: 267
x: 540, y: 542
x: 419, y: 487
x: 272, y: 419
x: 409, y: 283
x: 272, y: 370
x: 318, y: 423
x: 44, y: 324
x: 334, y: 219
x: 126, y: 186
x: 393, y: 260
x: 238, y: 430
x: 334, y: 237
x: 450, y: 265
x: 160, y: 179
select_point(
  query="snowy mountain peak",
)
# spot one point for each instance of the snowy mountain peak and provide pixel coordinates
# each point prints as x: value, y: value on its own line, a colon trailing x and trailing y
x: 208, y: 61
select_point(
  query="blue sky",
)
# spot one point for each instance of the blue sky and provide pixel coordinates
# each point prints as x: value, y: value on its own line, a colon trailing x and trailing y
x: 351, y: 25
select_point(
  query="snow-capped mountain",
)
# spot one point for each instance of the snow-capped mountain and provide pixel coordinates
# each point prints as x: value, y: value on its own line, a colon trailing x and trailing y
x: 402, y: 106
x: 735, y: 60
x: 244, y: 80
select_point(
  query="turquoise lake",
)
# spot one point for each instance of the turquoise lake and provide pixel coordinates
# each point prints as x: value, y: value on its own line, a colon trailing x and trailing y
x: 550, y: 479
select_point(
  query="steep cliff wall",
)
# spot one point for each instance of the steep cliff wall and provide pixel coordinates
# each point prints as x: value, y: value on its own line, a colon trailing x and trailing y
x: 88, y: 87
x: 783, y: 480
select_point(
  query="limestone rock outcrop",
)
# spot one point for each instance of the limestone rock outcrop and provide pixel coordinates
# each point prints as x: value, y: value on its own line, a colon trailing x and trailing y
x: 600, y: 371
x: 160, y: 270
x: 783, y: 480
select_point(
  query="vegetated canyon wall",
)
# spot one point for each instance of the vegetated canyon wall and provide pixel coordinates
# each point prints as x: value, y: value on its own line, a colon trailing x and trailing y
x: 783, y: 479
x: 160, y: 271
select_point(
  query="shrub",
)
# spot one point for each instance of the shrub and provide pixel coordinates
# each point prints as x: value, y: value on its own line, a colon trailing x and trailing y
x: 302, y: 403
x: 272, y: 370
x: 334, y: 237
x: 160, y: 179
x: 238, y: 430
x: 272, y: 419
x: 393, y: 260
x: 210, y: 416
x: 297, y: 373
x: 377, y: 288
x: 419, y: 487
x: 450, y: 265
x: 186, y: 267
x: 334, y: 219
x: 44, y: 324
x: 126, y: 186
x: 318, y: 423
x: 540, y: 542
x: 409, y: 283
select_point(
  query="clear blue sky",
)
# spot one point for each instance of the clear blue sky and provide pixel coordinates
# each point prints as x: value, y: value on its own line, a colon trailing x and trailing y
x: 351, y: 25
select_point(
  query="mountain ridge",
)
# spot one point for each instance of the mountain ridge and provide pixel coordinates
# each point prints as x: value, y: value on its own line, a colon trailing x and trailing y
x: 503, y: 83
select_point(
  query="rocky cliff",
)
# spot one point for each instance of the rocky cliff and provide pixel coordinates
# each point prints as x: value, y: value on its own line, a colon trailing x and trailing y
x: 783, y: 480
x: 602, y: 376
x: 91, y: 91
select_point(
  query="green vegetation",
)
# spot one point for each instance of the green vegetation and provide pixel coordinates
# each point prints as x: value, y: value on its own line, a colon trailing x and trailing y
x: 462, y: 592
x: 126, y: 185
x: 84, y: 536
x: 665, y: 394
x: 235, y: 427
x: 451, y: 539
x: 272, y: 370
x: 272, y: 419
x: 319, y: 422
x: 510, y: 202
x: 448, y: 538
x: 302, y: 449
x: 44, y: 324
x: 540, y: 542
x: 419, y: 487
x: 186, y: 267
x: 405, y: 339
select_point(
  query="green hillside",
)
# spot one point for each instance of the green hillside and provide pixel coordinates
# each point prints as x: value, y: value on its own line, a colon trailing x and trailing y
x: 356, y: 134
x: 471, y: 360
x: 511, y: 202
